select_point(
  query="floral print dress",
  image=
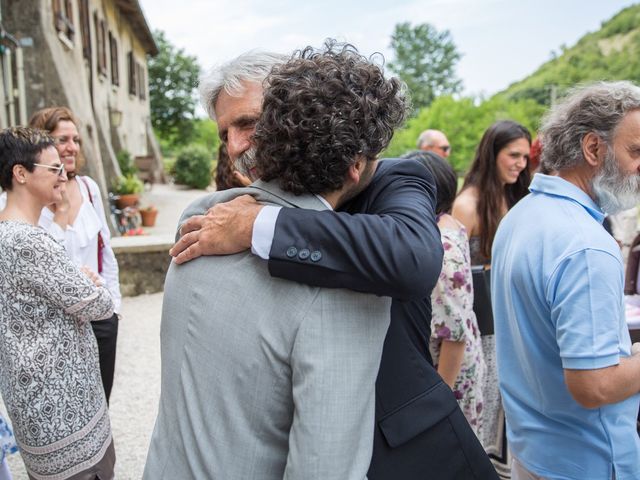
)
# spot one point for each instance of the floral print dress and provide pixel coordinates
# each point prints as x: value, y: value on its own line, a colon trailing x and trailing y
x: 453, y: 319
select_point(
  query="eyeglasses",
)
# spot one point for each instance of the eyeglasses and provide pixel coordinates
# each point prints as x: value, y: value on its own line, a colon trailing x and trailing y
x: 445, y: 148
x: 59, y: 169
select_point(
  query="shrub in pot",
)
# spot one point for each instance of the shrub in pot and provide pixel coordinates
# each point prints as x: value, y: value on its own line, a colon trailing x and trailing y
x: 128, y: 187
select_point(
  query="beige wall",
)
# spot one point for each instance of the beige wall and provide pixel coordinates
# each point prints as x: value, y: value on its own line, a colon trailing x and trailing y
x: 57, y: 73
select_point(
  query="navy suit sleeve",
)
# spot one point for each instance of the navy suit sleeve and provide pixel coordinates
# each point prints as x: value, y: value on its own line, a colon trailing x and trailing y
x: 386, y: 243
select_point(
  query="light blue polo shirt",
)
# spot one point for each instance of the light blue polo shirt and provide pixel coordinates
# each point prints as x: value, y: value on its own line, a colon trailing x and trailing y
x: 557, y: 293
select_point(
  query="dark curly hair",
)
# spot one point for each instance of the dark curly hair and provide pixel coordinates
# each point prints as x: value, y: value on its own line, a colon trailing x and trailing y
x: 20, y: 146
x: 322, y: 109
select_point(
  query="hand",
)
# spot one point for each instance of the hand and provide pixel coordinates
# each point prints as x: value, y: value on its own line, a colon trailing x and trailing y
x: 225, y: 229
x: 242, y: 179
x: 93, y: 276
x: 63, y: 205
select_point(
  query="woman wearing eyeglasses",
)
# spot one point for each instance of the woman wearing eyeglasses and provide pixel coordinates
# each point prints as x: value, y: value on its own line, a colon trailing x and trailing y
x: 50, y: 379
x: 78, y: 221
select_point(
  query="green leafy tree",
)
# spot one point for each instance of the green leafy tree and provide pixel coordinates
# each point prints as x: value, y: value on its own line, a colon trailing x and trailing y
x: 173, y: 76
x: 425, y: 59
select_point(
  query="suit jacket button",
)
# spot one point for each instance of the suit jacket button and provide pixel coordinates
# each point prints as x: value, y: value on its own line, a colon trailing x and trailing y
x: 304, y: 254
x: 292, y: 252
x: 316, y: 256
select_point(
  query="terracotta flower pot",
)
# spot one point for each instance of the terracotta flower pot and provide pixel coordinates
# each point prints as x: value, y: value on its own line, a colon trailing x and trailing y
x: 128, y: 200
x: 148, y: 217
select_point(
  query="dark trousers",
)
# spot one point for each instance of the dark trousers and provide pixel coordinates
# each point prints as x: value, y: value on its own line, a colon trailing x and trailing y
x: 106, y: 332
x: 449, y: 450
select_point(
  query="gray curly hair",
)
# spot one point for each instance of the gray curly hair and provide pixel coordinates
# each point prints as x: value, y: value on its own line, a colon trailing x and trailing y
x: 252, y: 66
x: 596, y: 108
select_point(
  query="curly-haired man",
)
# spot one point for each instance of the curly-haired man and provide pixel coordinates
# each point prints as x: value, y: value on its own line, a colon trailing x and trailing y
x: 383, y: 241
x: 264, y: 378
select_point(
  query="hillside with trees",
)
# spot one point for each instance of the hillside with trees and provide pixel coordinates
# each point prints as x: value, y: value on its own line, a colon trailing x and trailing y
x: 611, y: 53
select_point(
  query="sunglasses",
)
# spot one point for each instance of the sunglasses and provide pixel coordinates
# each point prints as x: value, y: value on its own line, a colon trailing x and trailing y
x: 445, y: 148
x: 59, y: 169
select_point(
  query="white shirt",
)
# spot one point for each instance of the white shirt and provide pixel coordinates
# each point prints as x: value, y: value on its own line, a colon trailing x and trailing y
x: 264, y: 227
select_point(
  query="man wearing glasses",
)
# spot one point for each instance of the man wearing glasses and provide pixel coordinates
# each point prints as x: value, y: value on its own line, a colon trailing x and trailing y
x: 434, y: 141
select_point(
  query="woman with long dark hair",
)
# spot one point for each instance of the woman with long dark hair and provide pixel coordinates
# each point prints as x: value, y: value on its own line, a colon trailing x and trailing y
x: 497, y: 180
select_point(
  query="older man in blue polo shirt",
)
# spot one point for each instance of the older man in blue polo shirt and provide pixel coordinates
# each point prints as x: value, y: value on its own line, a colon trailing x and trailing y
x: 568, y: 379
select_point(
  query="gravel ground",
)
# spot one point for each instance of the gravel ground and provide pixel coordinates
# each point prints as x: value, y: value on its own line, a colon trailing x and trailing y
x: 136, y: 390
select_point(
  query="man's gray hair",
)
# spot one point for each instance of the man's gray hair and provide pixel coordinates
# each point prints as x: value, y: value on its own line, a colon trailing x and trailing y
x: 252, y: 66
x: 596, y: 108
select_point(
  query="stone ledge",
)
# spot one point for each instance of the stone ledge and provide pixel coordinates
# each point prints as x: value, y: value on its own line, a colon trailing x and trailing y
x: 143, y: 262
x: 142, y: 243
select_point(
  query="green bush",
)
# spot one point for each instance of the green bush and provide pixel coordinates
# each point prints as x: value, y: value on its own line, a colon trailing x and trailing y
x: 125, y: 162
x: 193, y: 166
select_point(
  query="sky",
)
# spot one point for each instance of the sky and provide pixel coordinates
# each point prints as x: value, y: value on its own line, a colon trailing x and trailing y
x: 501, y: 41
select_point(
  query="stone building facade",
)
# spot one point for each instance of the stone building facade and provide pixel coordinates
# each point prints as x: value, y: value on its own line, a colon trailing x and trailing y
x: 89, y: 55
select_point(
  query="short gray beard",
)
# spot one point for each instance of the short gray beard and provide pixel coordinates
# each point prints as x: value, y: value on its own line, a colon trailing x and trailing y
x: 615, y: 190
x: 246, y: 164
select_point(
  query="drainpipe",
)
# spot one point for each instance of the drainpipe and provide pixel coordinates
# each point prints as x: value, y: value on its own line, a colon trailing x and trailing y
x: 22, y: 91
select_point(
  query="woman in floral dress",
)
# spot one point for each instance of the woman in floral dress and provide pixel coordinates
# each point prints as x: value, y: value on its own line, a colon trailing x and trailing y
x: 455, y: 344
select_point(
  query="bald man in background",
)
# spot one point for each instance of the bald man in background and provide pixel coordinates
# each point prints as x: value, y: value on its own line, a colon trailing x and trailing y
x: 434, y: 141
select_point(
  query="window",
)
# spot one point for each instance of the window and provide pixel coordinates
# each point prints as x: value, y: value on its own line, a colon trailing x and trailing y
x: 102, y: 47
x: 133, y: 74
x: 113, y: 52
x: 63, y: 18
x: 142, y: 86
x: 85, y: 29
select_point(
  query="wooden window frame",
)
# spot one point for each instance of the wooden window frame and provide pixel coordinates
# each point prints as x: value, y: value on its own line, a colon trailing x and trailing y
x: 113, y: 55
x: 142, y: 88
x: 132, y: 74
x: 85, y: 28
x: 63, y: 18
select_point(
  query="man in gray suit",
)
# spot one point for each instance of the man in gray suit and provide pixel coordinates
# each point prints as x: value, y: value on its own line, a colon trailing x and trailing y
x: 262, y: 377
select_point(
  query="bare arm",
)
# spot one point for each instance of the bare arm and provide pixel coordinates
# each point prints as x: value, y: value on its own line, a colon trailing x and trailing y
x: 450, y: 361
x: 595, y: 388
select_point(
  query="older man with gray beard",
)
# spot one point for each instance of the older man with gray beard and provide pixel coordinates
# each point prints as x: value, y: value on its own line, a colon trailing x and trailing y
x: 568, y: 377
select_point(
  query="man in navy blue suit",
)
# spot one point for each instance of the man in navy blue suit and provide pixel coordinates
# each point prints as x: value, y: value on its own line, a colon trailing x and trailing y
x: 383, y: 241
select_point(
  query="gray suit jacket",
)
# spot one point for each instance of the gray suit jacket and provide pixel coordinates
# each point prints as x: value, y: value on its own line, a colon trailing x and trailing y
x: 263, y: 378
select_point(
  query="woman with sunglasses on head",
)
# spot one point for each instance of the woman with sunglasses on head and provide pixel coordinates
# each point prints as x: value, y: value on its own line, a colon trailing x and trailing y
x: 78, y: 221
x: 50, y: 379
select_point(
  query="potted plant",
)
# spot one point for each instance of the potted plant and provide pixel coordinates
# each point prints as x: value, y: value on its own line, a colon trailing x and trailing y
x: 148, y: 215
x: 128, y: 187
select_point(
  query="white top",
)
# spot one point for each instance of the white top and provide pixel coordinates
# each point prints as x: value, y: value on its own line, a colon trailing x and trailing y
x: 81, y: 239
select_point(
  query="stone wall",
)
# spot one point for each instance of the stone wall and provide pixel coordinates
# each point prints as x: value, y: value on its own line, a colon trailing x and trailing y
x: 143, y: 263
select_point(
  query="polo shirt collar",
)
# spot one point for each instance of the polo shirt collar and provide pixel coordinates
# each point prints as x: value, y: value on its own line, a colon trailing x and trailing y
x: 553, y: 185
